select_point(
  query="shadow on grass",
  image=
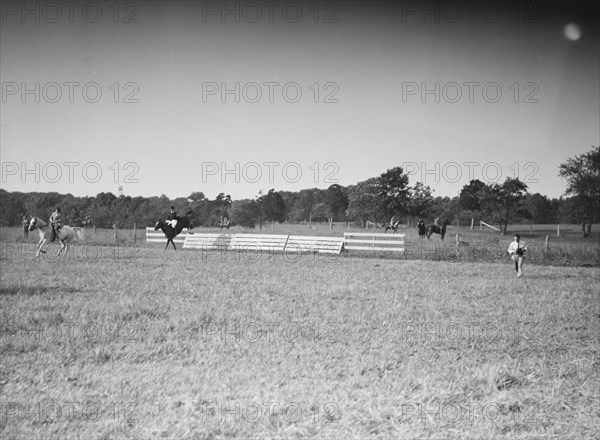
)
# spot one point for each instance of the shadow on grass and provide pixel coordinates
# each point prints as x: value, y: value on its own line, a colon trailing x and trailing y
x: 34, y: 290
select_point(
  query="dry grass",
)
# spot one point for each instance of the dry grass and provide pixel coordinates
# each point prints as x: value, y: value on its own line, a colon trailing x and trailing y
x: 163, y: 345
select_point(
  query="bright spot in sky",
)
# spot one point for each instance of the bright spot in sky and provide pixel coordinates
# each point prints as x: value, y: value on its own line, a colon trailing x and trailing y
x: 572, y: 32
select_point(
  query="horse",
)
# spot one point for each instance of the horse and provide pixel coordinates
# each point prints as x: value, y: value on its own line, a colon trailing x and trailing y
x: 435, y: 228
x: 65, y: 235
x: 224, y: 223
x: 170, y: 232
x: 391, y: 225
x: 422, y: 229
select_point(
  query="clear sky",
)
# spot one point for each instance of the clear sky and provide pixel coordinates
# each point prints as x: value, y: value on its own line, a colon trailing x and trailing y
x: 328, y: 92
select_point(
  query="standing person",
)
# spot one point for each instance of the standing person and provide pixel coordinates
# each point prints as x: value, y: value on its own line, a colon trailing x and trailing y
x: 421, y: 228
x: 516, y: 250
x: 172, y: 220
x: 55, y: 222
x: 25, y: 224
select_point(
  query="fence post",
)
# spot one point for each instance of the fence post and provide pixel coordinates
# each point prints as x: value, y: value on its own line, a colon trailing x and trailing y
x: 546, y: 245
x: 472, y: 221
x: 94, y: 229
x: 134, y: 232
x: 115, y: 228
x: 558, y: 230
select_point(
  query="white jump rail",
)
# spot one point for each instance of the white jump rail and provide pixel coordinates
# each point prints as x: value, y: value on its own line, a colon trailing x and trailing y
x: 208, y: 241
x: 153, y: 236
x: 255, y: 242
x: 259, y: 242
x: 302, y: 243
x: 364, y: 241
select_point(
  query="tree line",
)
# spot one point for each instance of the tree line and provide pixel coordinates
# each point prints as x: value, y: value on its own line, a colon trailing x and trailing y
x: 376, y: 200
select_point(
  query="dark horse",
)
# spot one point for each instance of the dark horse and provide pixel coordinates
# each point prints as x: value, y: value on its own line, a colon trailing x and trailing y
x: 391, y: 225
x: 170, y: 232
x: 435, y: 228
x: 421, y: 228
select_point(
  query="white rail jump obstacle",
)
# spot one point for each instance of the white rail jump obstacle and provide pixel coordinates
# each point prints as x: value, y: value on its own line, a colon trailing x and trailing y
x: 364, y: 241
x: 351, y: 241
x: 252, y: 242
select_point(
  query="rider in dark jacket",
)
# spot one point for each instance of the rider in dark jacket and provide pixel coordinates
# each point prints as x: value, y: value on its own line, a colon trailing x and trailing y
x: 172, y: 219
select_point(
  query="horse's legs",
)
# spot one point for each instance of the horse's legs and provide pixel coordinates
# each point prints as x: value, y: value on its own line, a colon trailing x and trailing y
x: 173, y: 243
x: 39, y: 247
x: 167, y: 244
x: 62, y: 246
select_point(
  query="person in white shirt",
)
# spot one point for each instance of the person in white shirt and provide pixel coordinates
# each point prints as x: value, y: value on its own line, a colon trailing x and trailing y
x: 517, y: 250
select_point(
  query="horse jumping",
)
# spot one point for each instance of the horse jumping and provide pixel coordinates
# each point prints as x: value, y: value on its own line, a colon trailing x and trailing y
x: 65, y: 235
x: 435, y: 228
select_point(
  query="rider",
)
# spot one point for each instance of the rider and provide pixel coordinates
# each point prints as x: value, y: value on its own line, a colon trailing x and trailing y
x: 25, y: 224
x: 172, y: 220
x: 55, y: 222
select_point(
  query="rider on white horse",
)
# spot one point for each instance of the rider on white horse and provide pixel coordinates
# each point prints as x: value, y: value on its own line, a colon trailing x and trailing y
x: 55, y: 222
x: 172, y: 220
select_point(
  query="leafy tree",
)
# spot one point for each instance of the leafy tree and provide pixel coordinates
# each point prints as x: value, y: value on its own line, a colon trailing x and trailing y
x: 420, y: 199
x: 502, y: 201
x: 583, y: 181
x: 271, y: 206
x: 540, y: 209
x: 365, y: 202
x: 245, y: 213
x: 336, y: 201
x: 221, y: 205
x: 471, y: 194
x: 393, y: 191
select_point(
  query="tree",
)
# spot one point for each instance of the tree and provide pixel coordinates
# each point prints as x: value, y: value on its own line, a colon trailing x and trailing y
x: 502, y: 201
x: 583, y: 181
x: 540, y: 209
x: 471, y: 194
x: 336, y: 201
x: 271, y: 206
x: 221, y: 204
x: 245, y: 213
x: 393, y: 191
x: 420, y: 200
x: 365, y: 202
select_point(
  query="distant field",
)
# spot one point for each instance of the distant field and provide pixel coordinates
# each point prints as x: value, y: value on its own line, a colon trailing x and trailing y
x: 200, y: 346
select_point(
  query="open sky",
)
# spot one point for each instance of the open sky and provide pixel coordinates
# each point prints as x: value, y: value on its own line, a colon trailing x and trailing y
x: 170, y: 97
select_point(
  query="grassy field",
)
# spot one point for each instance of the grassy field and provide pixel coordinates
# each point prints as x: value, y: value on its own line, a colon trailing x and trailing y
x: 166, y: 345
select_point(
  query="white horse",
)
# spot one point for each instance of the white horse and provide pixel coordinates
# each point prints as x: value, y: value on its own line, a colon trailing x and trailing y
x: 65, y: 235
